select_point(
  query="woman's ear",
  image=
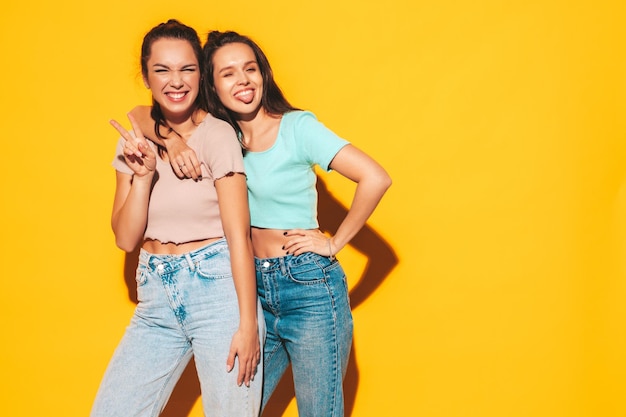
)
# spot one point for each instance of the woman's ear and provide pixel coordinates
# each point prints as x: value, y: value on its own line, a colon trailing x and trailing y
x: 145, y: 82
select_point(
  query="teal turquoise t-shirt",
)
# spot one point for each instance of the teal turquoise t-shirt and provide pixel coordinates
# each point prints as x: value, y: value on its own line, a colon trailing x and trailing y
x: 281, y: 180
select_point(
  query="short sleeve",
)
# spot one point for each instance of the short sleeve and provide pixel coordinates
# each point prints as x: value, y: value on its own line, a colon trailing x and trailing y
x: 318, y: 144
x: 221, y: 150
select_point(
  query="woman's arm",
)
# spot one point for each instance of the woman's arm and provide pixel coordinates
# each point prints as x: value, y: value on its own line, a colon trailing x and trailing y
x: 132, y: 192
x: 130, y: 210
x: 182, y: 158
x: 372, y: 183
x: 232, y: 197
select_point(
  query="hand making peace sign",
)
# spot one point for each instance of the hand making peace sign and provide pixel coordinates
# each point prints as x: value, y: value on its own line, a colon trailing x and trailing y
x: 138, y: 154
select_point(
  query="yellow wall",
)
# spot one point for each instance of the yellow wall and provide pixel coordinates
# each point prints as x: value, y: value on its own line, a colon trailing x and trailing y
x: 501, y: 122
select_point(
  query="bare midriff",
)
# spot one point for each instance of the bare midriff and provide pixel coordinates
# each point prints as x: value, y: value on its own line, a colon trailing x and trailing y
x: 268, y: 243
x: 158, y: 248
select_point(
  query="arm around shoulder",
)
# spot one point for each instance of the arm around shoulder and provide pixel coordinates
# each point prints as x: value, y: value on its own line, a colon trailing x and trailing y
x: 182, y: 158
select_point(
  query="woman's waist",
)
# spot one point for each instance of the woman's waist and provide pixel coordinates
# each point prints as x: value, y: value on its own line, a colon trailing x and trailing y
x: 168, y: 262
x: 156, y: 247
x: 268, y: 243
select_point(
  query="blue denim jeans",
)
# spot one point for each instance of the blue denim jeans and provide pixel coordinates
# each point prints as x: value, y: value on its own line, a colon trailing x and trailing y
x: 309, y: 323
x: 187, y: 306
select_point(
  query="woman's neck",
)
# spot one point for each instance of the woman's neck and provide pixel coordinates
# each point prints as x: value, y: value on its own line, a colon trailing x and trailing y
x: 187, y: 124
x: 259, y: 132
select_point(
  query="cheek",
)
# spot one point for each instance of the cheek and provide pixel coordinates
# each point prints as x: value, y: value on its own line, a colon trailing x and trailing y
x: 222, y: 92
x: 193, y: 81
x: 152, y: 82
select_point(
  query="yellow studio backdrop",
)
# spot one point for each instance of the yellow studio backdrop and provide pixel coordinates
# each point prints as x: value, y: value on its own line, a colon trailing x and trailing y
x: 496, y: 262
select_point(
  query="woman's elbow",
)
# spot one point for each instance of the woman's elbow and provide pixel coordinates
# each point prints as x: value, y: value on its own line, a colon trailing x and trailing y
x: 383, y: 181
x: 125, y: 244
x: 386, y: 181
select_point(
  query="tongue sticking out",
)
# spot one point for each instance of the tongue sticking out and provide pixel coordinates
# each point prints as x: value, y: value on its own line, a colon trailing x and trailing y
x: 245, y: 96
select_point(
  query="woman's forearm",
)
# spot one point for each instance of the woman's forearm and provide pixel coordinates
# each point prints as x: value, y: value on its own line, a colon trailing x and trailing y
x: 130, y: 211
x: 367, y: 195
x: 183, y: 159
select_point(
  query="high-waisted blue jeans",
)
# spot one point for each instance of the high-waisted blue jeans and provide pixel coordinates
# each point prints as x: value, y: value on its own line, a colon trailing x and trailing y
x: 187, y: 306
x: 309, y: 323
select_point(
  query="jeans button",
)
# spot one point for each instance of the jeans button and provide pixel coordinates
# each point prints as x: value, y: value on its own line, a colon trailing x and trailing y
x: 266, y: 264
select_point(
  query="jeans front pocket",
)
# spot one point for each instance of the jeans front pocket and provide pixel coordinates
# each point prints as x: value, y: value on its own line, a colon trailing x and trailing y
x: 215, y: 265
x: 306, y: 269
x: 141, y: 277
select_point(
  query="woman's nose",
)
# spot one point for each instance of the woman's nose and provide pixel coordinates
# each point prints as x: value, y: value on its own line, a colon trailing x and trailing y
x: 242, y: 79
x: 176, y: 80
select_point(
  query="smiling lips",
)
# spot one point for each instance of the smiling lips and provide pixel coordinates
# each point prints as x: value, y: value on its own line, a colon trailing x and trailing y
x: 176, y: 96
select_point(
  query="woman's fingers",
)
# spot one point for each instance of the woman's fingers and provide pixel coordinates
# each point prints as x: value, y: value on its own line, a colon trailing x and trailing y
x: 130, y: 147
x: 306, y: 241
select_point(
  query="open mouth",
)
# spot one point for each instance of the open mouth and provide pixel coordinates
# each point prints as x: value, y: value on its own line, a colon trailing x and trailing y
x: 178, y: 96
x: 245, y: 96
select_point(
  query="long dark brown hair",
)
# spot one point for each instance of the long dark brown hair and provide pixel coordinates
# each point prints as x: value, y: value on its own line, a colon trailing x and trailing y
x: 273, y: 99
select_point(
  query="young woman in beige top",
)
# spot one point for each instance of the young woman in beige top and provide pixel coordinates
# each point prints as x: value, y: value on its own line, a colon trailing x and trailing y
x: 195, y: 281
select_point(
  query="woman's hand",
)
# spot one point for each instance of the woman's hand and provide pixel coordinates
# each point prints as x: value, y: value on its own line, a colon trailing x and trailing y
x: 138, y: 154
x: 301, y: 241
x: 183, y: 159
x: 246, y: 347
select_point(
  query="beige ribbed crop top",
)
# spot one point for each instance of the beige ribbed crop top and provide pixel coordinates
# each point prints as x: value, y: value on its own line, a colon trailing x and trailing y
x: 184, y: 210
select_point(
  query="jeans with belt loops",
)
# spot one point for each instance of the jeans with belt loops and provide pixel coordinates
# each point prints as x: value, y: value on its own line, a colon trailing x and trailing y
x: 309, y: 324
x: 187, y: 307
